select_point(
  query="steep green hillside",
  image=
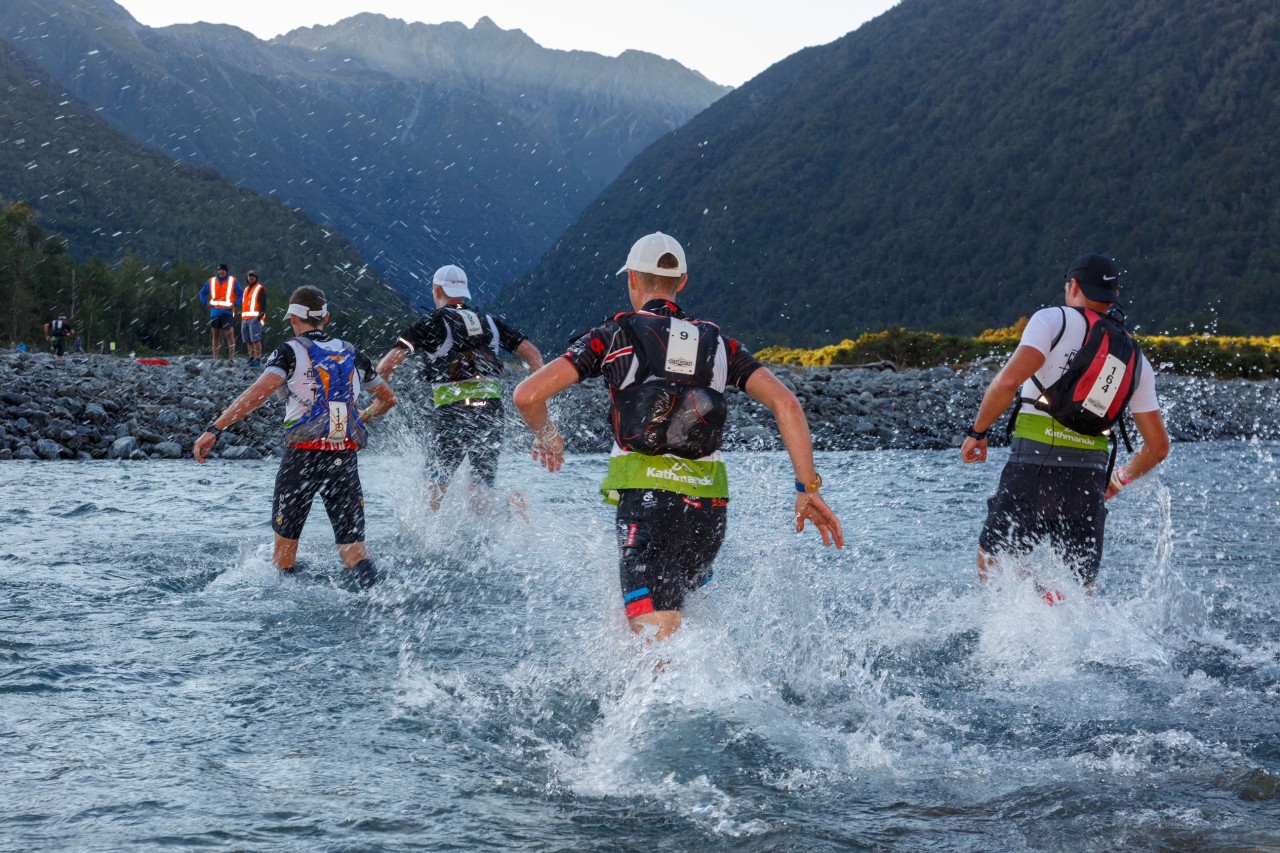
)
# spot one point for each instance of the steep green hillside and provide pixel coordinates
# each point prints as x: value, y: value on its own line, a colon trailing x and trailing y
x: 939, y: 167
x: 111, y: 198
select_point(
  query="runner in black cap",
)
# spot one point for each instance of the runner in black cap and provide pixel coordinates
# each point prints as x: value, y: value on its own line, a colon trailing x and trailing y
x: 1055, y: 484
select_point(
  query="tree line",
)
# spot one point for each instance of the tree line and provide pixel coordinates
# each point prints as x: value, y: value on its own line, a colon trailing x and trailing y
x: 135, y: 303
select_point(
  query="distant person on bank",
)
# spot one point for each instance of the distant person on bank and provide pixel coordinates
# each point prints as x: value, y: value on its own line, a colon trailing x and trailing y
x: 1055, y: 486
x: 222, y: 293
x: 319, y: 379
x: 461, y: 349
x: 666, y: 374
x: 253, y: 315
x: 56, y: 332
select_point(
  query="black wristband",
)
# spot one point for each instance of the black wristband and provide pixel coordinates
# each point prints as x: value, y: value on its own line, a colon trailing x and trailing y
x: 975, y: 435
x: 217, y: 433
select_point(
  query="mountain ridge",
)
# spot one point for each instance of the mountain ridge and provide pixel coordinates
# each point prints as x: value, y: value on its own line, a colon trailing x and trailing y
x: 939, y: 167
x: 416, y: 172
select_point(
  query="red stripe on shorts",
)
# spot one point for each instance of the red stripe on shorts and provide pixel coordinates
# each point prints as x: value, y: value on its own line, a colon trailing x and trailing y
x: 639, y: 607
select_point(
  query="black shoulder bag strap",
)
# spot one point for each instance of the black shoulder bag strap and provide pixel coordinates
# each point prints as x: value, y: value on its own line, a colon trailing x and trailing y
x: 1019, y: 400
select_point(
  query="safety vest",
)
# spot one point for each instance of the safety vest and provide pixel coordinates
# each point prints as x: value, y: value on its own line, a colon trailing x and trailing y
x: 251, y: 306
x: 222, y: 294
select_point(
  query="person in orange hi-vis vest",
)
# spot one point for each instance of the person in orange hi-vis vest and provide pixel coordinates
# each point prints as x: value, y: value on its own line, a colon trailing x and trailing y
x: 253, y: 310
x: 221, y: 293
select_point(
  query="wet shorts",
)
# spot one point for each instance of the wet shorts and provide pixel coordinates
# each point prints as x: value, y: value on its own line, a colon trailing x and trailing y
x: 459, y: 430
x: 667, y: 542
x: 251, y: 330
x: 222, y: 321
x: 1062, y: 505
x: 332, y: 473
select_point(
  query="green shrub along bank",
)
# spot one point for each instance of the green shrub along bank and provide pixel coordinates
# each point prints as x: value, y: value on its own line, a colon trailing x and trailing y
x: 1217, y: 356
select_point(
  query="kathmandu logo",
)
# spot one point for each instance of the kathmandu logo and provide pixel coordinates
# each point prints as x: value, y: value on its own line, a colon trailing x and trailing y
x: 663, y: 474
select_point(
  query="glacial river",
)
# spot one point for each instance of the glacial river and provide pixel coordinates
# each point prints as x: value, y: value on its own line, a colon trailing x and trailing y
x: 163, y: 688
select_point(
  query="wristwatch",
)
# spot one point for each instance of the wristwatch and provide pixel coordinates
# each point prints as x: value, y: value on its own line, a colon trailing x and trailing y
x: 217, y: 433
x: 811, y: 486
x: 977, y: 436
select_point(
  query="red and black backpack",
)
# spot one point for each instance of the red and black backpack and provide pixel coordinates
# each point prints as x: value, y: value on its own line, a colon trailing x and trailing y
x: 1099, y: 380
x: 1101, y: 376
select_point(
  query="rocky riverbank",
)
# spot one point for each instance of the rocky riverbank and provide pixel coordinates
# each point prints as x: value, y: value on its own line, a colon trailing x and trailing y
x: 100, y: 407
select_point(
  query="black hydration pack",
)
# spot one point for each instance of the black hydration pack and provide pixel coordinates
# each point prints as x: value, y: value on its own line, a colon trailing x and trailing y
x: 671, y: 406
x: 471, y: 355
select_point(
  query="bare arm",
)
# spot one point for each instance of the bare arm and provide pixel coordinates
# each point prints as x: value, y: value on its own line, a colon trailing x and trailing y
x: 764, y: 387
x: 384, y: 400
x: 529, y: 354
x: 531, y: 399
x: 1154, y: 449
x: 250, y: 398
x: 393, y: 359
x: 999, y: 395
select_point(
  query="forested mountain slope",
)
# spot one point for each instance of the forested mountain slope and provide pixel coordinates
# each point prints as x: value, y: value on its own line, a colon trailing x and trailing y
x: 939, y: 167
x: 109, y: 197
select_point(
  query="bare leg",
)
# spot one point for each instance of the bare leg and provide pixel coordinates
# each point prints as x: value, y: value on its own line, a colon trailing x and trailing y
x: 230, y: 333
x: 986, y: 563
x: 435, y: 494
x: 352, y: 554
x: 286, y: 553
x: 213, y: 344
x: 666, y: 621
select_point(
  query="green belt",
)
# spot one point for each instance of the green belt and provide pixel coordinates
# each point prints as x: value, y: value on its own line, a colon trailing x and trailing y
x: 469, y: 389
x: 697, y: 478
x: 1046, y: 430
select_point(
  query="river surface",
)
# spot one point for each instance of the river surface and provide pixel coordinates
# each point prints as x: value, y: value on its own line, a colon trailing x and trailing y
x: 163, y: 688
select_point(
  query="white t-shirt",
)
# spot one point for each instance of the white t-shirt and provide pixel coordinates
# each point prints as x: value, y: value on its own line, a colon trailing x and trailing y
x: 1043, y: 327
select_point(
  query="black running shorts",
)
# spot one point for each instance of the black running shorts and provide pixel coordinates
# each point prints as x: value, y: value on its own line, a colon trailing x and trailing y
x: 222, y: 321
x: 332, y: 473
x: 1062, y: 505
x: 667, y: 543
x: 459, y: 430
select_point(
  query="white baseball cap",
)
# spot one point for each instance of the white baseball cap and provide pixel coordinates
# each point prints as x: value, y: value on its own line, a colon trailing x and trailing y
x: 644, y: 255
x: 453, y: 280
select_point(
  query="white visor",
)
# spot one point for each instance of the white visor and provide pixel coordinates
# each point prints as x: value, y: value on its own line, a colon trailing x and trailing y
x: 308, y: 313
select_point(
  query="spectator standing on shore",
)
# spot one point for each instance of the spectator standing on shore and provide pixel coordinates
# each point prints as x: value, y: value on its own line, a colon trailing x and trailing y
x: 1055, y: 484
x: 320, y: 380
x: 221, y: 293
x: 56, y: 332
x: 666, y: 374
x: 253, y: 314
x: 461, y: 358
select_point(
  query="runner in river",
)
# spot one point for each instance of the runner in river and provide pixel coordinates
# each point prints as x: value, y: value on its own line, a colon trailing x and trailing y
x: 461, y: 350
x: 1055, y: 485
x: 666, y: 374
x: 320, y: 379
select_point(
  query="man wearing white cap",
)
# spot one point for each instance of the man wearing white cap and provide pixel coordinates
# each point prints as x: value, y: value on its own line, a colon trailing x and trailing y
x: 461, y: 349
x: 666, y: 374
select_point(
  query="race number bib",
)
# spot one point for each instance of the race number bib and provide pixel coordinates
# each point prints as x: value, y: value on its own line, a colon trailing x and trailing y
x: 337, y: 423
x: 682, y: 347
x: 472, y: 322
x: 1103, y: 391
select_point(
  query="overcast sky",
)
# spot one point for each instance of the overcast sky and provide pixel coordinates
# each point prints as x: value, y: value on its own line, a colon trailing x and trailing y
x: 729, y: 41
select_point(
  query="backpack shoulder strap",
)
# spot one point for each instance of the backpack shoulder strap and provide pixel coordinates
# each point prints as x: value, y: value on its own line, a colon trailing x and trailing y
x: 1056, y: 339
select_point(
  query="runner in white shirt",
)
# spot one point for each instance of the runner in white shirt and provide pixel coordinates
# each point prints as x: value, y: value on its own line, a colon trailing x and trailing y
x: 1055, y: 486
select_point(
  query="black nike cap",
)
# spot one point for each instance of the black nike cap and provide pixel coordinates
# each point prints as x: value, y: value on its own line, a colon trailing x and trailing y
x: 1098, y: 276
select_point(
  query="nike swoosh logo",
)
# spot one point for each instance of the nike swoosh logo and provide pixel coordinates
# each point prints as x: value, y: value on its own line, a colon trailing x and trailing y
x: 1110, y: 277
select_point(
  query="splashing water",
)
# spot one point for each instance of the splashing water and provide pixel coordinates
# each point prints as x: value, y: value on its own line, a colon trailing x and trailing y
x: 161, y: 685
